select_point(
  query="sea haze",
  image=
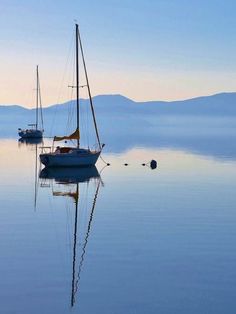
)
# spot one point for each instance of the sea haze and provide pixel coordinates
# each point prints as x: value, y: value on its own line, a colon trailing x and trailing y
x: 146, y: 241
x: 204, y: 125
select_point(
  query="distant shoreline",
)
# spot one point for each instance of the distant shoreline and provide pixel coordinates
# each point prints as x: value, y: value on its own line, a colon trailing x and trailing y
x: 220, y: 94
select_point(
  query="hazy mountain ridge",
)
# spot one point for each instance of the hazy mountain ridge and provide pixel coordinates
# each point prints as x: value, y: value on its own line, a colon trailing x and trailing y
x: 218, y: 104
x: 15, y: 108
x: 204, y: 125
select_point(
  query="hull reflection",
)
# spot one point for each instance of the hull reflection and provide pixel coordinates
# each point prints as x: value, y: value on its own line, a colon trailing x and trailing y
x: 70, y: 175
x: 30, y: 141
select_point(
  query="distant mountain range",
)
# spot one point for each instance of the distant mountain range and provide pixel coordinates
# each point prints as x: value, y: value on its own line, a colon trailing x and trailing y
x: 223, y: 104
x: 205, y: 125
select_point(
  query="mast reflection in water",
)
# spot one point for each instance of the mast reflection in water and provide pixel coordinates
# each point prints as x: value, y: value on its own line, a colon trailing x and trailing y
x: 32, y: 144
x: 68, y: 177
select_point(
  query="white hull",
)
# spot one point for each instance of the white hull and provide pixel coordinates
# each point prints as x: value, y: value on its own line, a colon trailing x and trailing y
x: 71, y: 159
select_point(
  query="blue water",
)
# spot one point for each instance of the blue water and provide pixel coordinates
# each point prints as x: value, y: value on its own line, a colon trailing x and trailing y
x: 158, y: 241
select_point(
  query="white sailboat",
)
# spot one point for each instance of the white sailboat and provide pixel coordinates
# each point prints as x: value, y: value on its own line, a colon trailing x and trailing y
x: 70, y: 156
x: 34, y: 132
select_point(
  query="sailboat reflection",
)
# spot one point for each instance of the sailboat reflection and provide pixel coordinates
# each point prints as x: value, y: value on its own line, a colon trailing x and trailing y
x: 30, y: 141
x: 69, y: 177
x: 31, y: 144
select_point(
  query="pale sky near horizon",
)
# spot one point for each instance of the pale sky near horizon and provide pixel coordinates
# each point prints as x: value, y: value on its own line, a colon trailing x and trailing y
x: 143, y: 49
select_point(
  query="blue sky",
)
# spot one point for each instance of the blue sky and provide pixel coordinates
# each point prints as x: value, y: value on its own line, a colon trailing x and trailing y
x: 144, y: 49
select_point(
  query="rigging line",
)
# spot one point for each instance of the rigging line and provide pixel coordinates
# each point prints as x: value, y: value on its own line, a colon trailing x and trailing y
x: 40, y: 104
x: 70, y: 125
x: 69, y: 117
x: 90, y: 97
x: 87, y: 125
x: 106, y: 163
x: 71, y: 104
x: 37, y: 96
x: 61, y: 83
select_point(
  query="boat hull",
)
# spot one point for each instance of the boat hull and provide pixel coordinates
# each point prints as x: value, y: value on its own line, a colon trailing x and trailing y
x: 30, y: 134
x: 69, y: 160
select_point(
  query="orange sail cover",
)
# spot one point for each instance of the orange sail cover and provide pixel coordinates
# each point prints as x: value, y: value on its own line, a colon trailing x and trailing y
x: 73, y: 136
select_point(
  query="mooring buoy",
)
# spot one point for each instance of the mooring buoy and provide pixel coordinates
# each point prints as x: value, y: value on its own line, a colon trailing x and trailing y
x: 153, y: 164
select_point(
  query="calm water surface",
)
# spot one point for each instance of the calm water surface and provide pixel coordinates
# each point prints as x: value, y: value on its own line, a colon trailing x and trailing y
x: 146, y: 241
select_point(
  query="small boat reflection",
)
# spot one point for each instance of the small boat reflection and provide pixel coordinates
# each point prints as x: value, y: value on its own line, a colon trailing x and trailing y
x: 67, y: 178
x: 30, y: 141
x: 70, y: 175
x: 32, y: 146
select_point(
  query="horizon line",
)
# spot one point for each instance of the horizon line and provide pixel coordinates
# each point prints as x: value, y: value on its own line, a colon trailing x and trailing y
x: 120, y: 95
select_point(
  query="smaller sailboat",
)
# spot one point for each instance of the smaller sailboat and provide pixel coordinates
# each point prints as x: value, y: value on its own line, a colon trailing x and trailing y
x: 75, y: 156
x: 34, y: 132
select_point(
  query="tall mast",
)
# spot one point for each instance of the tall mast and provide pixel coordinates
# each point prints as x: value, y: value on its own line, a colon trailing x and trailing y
x: 37, y: 97
x: 89, y: 92
x: 77, y: 77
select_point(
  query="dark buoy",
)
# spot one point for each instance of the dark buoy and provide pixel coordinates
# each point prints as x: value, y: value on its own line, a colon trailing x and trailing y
x: 153, y: 164
x: 126, y: 164
x: 143, y: 164
x: 108, y: 164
